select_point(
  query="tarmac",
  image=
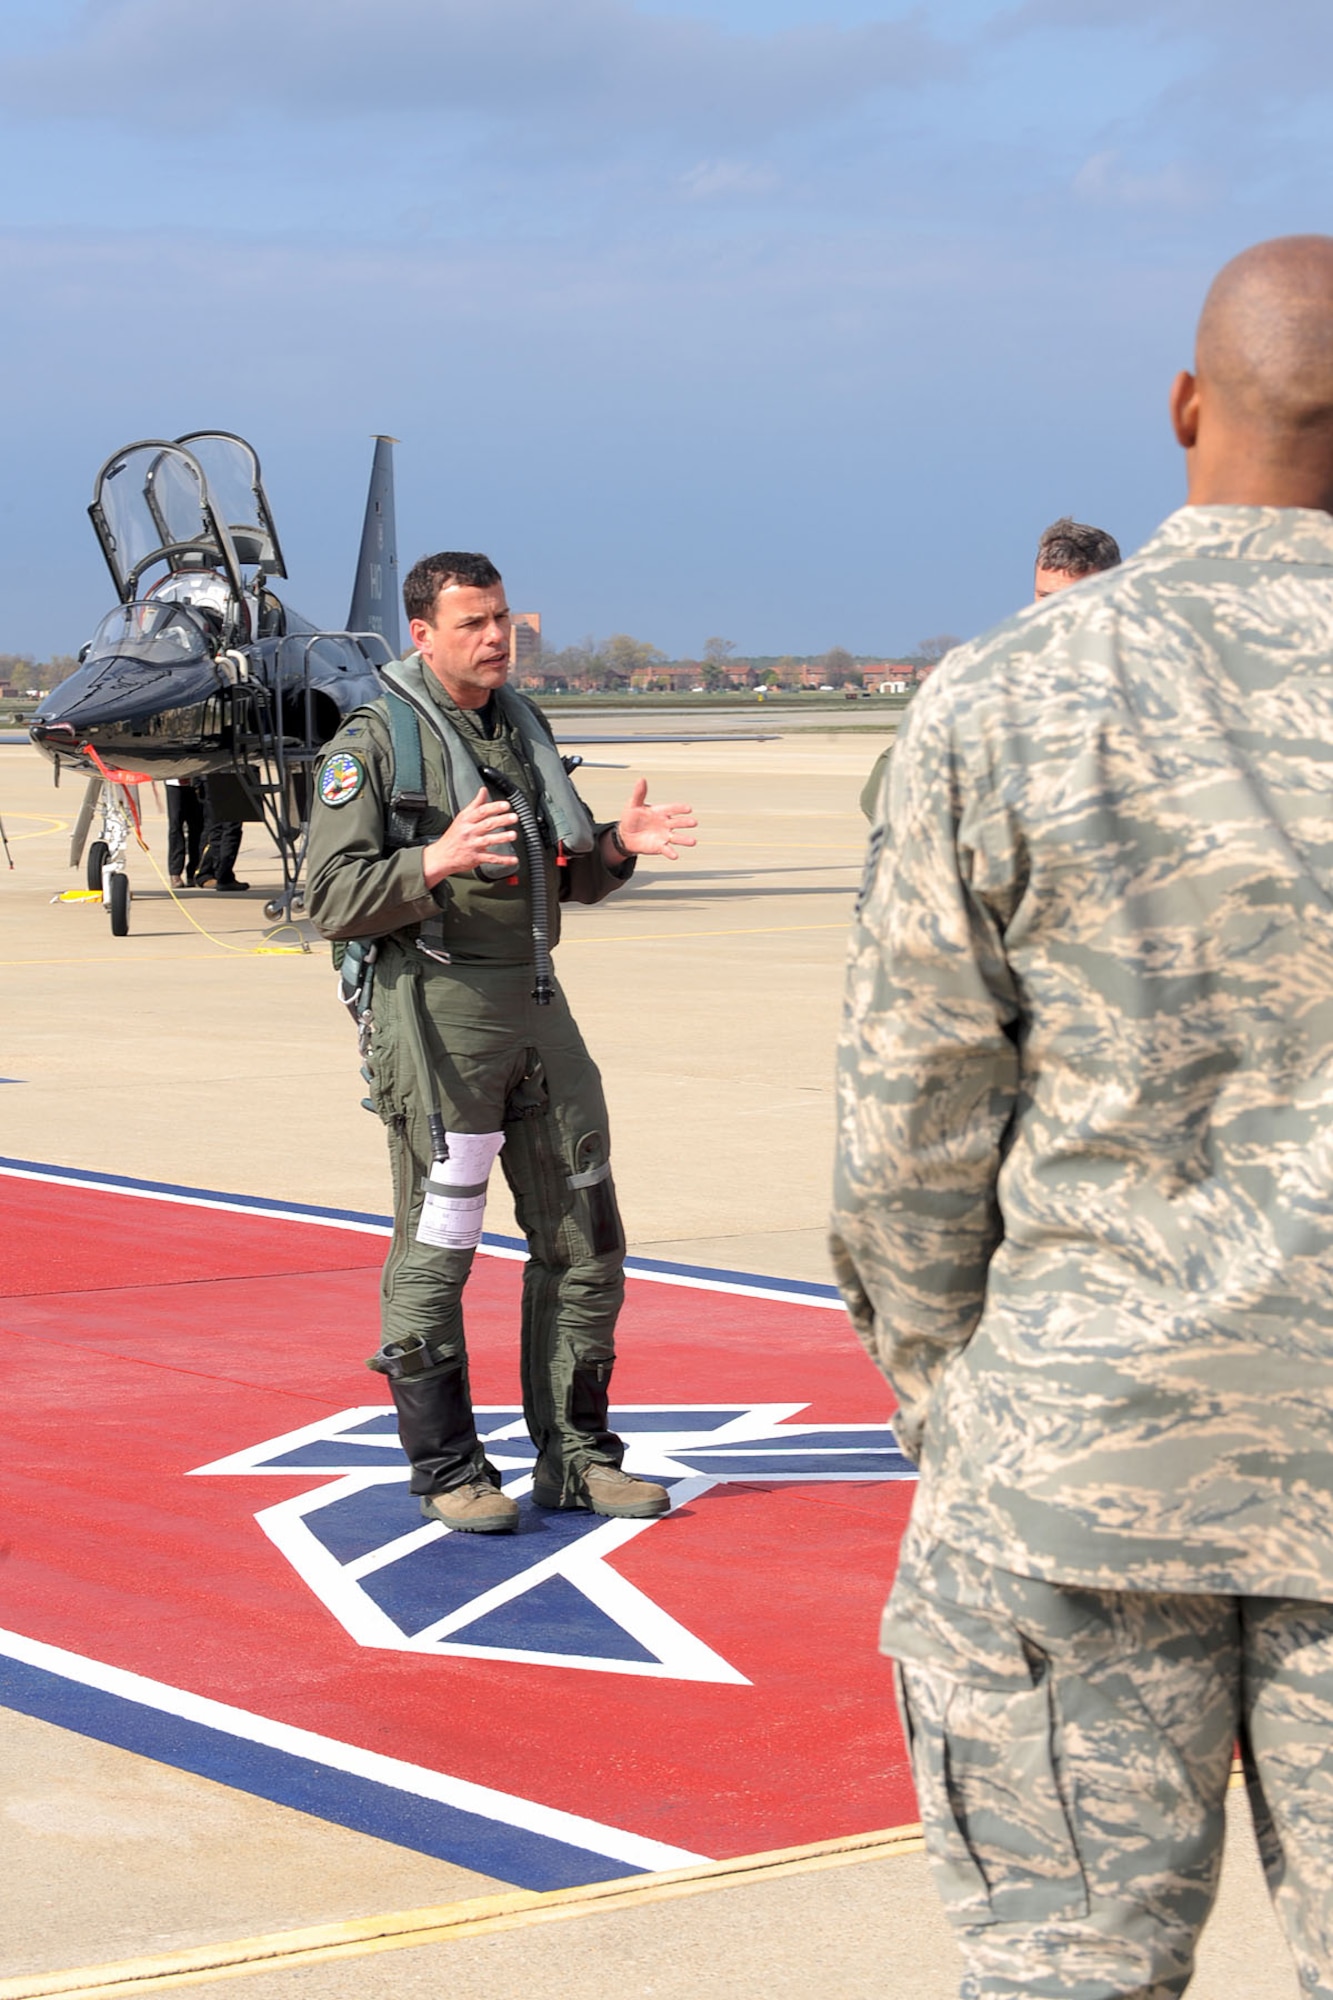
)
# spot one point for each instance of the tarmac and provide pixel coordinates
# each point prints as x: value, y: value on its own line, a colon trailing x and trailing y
x: 208, y: 1050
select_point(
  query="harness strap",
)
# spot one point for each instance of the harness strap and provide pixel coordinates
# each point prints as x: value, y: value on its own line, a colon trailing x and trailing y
x: 407, y: 784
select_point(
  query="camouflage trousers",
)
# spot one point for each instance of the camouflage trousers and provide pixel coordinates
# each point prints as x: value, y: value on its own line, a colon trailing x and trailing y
x: 1071, y: 1750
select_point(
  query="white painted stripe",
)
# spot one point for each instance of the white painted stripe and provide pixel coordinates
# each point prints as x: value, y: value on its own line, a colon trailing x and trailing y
x: 591, y: 1835
x: 238, y: 1205
x: 231, y: 1206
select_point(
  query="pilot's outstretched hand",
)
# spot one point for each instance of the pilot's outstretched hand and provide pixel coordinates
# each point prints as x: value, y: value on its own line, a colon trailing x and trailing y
x: 646, y: 829
x: 482, y: 831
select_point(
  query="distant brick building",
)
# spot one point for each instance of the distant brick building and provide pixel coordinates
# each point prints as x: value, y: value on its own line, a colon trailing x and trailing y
x: 525, y: 645
x: 677, y: 675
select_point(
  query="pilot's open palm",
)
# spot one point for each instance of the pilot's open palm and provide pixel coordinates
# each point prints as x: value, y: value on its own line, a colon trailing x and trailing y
x: 646, y: 829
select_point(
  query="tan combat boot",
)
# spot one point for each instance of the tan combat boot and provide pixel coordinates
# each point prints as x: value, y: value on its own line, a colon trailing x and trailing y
x: 477, y: 1508
x: 608, y: 1490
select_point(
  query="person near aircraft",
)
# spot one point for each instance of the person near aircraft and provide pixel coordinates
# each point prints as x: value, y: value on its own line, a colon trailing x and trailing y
x: 185, y: 831
x: 1067, y: 552
x: 1084, y: 1205
x: 444, y: 836
x: 217, y: 861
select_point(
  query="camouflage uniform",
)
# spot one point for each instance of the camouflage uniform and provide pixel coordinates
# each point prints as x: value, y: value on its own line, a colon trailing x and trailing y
x: 501, y: 1063
x: 1084, y: 1215
x: 874, y: 784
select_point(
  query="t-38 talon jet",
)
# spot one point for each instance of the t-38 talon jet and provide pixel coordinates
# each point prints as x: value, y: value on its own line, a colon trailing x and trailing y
x: 201, y: 670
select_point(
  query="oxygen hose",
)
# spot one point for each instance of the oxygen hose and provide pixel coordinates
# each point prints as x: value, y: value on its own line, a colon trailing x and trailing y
x: 543, y: 989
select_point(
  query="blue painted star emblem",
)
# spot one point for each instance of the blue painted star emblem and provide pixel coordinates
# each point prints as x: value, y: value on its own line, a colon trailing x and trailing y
x: 547, y: 1595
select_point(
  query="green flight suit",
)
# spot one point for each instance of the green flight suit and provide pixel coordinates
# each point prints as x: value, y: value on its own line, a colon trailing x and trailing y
x: 500, y: 1062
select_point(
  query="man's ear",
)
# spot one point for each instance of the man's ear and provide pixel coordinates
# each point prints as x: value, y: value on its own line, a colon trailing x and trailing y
x: 1184, y: 406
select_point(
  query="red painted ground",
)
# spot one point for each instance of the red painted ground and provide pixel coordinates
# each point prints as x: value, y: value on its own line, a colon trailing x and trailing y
x: 140, y: 1339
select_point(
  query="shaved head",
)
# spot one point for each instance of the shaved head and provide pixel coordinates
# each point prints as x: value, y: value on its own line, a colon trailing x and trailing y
x: 1265, y: 343
x: 1256, y: 416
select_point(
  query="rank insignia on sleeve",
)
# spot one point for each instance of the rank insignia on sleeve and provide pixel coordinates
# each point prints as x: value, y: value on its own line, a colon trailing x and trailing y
x: 341, y: 779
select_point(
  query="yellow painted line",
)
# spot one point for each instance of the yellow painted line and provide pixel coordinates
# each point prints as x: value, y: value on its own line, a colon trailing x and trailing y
x: 43, y: 832
x: 130, y: 960
x: 620, y: 937
x: 514, y: 1909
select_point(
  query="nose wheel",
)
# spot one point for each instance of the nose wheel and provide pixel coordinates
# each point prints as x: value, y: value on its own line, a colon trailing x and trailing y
x: 118, y: 903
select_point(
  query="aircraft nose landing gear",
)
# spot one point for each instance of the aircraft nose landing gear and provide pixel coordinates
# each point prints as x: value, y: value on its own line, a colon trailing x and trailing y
x: 106, y: 855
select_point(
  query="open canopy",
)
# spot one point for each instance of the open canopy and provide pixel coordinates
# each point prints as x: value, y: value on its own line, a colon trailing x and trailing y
x: 196, y: 502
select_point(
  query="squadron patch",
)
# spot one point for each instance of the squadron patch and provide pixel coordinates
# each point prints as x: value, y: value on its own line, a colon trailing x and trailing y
x: 341, y: 779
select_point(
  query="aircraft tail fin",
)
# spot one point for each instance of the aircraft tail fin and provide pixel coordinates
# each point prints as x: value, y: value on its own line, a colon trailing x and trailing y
x: 375, y: 592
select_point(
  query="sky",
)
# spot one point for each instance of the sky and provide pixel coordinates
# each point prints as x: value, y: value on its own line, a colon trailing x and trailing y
x: 792, y: 323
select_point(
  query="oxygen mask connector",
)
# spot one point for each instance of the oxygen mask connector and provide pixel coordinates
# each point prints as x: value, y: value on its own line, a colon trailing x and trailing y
x: 543, y: 989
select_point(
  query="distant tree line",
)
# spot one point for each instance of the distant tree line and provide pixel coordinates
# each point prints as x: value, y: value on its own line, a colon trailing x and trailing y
x: 19, y: 672
x: 623, y: 662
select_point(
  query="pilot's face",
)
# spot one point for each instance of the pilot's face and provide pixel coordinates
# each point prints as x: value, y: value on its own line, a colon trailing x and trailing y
x: 465, y: 642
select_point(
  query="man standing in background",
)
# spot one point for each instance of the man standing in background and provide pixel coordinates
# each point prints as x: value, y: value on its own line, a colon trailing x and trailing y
x: 1084, y: 1206
x: 1067, y: 552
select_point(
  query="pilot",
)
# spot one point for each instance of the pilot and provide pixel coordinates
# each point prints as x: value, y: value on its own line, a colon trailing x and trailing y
x: 442, y: 889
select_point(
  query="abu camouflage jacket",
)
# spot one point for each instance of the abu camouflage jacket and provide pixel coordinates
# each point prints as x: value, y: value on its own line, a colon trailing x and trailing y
x: 1084, y: 1204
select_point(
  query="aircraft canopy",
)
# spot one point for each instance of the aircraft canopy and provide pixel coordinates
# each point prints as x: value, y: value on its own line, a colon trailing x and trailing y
x: 195, y: 502
x: 157, y: 633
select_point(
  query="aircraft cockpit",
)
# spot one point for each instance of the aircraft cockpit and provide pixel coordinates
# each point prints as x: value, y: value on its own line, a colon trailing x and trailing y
x: 193, y: 508
x: 157, y: 634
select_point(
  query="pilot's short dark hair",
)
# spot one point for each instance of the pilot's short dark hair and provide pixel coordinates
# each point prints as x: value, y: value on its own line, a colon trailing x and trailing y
x: 427, y: 578
x: 1076, y: 550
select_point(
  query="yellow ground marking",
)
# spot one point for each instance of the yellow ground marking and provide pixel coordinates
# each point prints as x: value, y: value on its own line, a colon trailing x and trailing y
x: 251, y: 951
x: 130, y: 960
x: 42, y: 833
x: 514, y: 1909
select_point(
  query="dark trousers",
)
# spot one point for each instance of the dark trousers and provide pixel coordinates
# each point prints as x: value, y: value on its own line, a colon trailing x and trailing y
x: 222, y: 844
x: 185, y: 829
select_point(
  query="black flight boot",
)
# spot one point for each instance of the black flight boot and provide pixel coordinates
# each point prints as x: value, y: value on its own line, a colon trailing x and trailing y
x: 450, y: 1475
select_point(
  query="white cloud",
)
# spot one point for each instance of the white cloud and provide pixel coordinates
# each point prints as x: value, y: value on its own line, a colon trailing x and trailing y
x: 1106, y: 177
x: 727, y: 180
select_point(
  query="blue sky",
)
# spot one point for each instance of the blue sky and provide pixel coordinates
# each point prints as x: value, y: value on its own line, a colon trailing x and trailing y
x: 794, y: 323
